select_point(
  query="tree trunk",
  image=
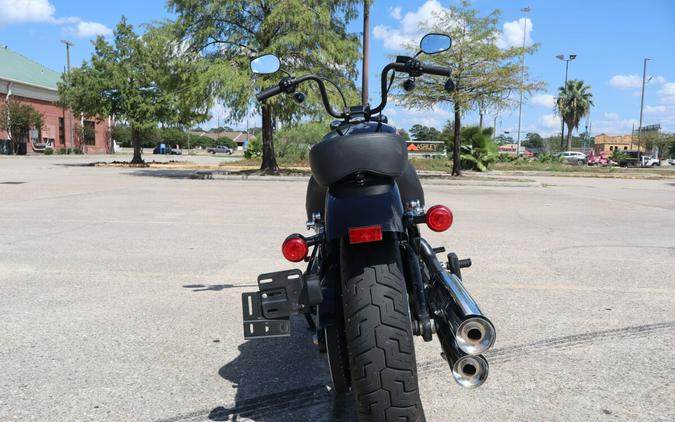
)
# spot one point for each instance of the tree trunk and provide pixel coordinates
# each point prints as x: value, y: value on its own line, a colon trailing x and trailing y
x: 456, y: 148
x: 569, y: 138
x: 269, y: 160
x: 136, y: 142
x: 480, y: 121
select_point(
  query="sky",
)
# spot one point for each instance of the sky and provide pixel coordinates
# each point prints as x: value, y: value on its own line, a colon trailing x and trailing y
x: 610, y: 38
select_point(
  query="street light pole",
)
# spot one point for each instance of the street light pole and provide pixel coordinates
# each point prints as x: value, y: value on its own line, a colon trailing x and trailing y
x: 522, y: 77
x: 562, y: 121
x: 366, y: 37
x: 642, y: 101
x: 70, y: 111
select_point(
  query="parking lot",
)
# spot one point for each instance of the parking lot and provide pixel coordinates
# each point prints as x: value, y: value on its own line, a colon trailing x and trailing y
x: 120, y: 298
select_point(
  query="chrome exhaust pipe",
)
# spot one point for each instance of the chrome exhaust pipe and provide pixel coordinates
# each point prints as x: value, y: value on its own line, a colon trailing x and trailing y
x: 469, y: 371
x: 473, y: 332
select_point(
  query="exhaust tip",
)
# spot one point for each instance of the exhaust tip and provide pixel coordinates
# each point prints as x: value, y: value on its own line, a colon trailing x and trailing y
x: 475, y: 335
x: 470, y: 371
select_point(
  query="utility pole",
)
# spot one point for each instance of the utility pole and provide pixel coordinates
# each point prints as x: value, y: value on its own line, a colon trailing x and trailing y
x: 642, y: 101
x: 522, y: 76
x: 562, y: 121
x: 366, y: 37
x: 70, y: 111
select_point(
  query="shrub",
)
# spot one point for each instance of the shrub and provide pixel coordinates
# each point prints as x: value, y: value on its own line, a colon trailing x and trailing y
x: 478, y: 148
x: 224, y: 140
x: 618, y: 156
x: 49, y: 151
x: 547, y: 157
x: 254, y: 149
x: 294, y: 142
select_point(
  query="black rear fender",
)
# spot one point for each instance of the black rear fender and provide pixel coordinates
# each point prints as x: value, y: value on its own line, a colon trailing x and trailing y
x: 372, y: 201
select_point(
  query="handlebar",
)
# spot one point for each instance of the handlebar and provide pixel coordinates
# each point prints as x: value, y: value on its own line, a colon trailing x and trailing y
x: 412, y: 67
x: 269, y: 92
x: 436, y: 70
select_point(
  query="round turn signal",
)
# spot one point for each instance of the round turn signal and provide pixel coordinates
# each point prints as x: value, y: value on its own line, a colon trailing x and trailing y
x: 439, y: 218
x: 294, y: 248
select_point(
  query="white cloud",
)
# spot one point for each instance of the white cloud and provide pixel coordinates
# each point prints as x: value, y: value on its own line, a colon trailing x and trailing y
x: 408, y: 33
x: 512, y: 33
x: 667, y: 93
x: 23, y: 11
x: 633, y: 81
x: 613, y: 124
x: 88, y: 30
x: 436, y: 117
x: 395, y: 12
x: 550, y: 121
x: 655, y: 109
x: 20, y: 11
x: 626, y: 81
x: 543, y: 100
x: 668, y: 89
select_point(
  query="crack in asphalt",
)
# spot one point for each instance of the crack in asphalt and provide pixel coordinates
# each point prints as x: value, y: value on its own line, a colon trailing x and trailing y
x: 299, y: 398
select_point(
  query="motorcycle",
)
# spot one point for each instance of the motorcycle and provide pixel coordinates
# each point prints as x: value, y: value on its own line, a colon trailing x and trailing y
x: 372, y: 282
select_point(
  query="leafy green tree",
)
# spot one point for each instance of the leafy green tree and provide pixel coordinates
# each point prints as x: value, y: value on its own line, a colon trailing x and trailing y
x: 478, y: 148
x: 18, y: 120
x: 533, y: 140
x: 142, y: 80
x: 294, y: 141
x: 221, y: 129
x: 574, y: 102
x: 404, y: 134
x: 309, y: 36
x: 224, y: 140
x: 422, y: 133
x: 482, y: 72
x: 503, y: 139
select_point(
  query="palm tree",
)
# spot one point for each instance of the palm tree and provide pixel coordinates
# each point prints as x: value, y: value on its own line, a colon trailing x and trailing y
x: 478, y: 148
x: 573, y: 103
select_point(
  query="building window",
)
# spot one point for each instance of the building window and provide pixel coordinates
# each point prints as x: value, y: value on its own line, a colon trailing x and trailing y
x: 625, y: 148
x: 62, y: 131
x: 89, y: 132
x: 611, y: 148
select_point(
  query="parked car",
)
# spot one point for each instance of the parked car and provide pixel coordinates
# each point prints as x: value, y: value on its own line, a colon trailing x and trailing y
x: 573, y: 157
x: 671, y: 161
x: 597, y: 160
x: 647, y: 161
x: 637, y: 159
x: 163, y: 149
x: 222, y: 149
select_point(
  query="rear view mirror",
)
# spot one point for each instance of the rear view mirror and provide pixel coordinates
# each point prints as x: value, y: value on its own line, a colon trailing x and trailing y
x: 435, y: 43
x: 265, y: 65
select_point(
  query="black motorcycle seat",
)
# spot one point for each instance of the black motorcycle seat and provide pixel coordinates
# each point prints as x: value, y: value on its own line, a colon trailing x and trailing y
x: 408, y: 183
x: 335, y: 158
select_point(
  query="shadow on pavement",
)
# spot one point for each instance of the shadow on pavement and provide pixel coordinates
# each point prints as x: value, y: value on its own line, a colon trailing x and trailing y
x: 282, y: 379
x: 167, y: 173
x: 215, y: 287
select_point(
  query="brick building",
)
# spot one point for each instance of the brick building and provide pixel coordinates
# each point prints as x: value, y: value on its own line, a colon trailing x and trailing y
x: 608, y: 143
x: 28, y: 82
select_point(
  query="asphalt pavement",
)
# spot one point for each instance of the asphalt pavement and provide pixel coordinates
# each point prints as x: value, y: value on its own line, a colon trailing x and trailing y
x: 120, y: 298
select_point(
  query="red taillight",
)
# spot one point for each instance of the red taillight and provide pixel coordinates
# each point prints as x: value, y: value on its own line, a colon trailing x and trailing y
x: 439, y: 218
x: 365, y: 234
x: 294, y: 248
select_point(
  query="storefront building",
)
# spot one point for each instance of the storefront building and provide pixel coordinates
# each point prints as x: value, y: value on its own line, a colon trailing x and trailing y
x: 27, y: 82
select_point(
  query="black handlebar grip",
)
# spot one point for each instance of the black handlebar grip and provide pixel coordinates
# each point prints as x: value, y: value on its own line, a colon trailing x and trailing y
x: 465, y: 263
x: 436, y: 70
x: 269, y: 92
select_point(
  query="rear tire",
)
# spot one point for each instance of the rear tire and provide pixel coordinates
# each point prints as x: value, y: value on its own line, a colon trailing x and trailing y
x: 379, y: 333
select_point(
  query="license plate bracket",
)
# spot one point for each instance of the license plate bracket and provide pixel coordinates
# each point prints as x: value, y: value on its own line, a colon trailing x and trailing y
x: 256, y: 325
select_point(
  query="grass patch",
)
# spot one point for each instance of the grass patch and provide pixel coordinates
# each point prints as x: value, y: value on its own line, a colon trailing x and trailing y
x: 533, y: 165
x: 433, y: 164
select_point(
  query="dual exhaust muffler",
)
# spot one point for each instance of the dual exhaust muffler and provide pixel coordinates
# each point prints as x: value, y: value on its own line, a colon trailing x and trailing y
x: 462, y: 329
